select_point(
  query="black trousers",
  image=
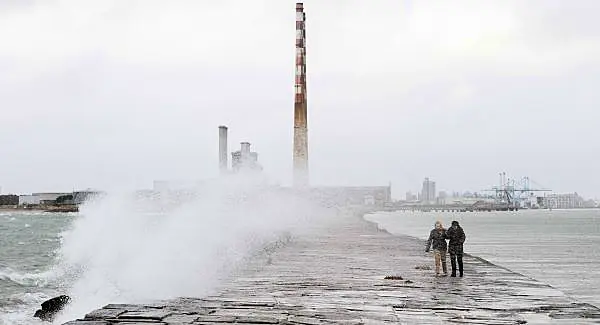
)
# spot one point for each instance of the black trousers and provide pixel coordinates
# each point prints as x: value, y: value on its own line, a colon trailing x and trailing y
x: 454, y: 258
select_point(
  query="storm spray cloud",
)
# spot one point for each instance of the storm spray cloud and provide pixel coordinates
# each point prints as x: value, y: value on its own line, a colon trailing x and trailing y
x: 122, y: 250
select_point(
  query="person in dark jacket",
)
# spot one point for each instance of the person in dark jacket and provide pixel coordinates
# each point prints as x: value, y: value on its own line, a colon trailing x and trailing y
x: 437, y: 240
x: 457, y: 237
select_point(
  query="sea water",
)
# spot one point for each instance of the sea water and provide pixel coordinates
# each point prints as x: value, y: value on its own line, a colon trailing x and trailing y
x: 558, y: 247
x: 123, y: 250
x: 29, y: 243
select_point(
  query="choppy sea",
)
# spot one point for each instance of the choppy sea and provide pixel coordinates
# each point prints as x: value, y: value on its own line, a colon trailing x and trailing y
x: 121, y: 249
x: 29, y: 244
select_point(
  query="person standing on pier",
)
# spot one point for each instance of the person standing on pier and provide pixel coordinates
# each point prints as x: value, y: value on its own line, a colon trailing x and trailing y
x: 457, y: 237
x: 437, y: 240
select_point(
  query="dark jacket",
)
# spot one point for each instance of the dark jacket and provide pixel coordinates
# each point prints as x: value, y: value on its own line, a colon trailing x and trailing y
x: 437, y: 240
x: 457, y: 237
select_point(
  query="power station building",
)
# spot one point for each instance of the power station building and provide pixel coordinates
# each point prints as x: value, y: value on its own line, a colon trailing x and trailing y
x: 353, y: 195
x: 562, y: 201
x: 243, y: 159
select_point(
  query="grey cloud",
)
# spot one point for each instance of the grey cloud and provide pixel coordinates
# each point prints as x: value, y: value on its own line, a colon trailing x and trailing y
x: 124, y: 101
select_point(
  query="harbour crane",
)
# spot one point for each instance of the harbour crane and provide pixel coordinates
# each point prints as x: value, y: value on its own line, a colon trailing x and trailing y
x: 512, y: 193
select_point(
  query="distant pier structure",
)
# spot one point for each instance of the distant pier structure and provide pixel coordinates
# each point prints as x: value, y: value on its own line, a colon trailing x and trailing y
x: 301, y: 179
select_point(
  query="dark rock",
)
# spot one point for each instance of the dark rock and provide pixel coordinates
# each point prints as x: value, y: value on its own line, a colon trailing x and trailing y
x: 393, y: 277
x: 51, y: 307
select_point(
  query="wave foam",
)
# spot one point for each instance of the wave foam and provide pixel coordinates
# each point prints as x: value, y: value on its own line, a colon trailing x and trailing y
x: 118, y: 251
x: 26, y: 279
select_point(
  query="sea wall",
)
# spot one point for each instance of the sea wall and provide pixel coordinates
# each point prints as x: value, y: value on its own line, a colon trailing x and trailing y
x: 353, y: 273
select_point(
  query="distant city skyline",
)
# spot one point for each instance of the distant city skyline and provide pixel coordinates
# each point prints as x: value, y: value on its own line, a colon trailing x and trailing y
x: 429, y: 193
x: 116, y: 94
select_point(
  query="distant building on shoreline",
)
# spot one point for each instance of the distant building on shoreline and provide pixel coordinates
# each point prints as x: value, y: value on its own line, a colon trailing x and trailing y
x: 56, y: 198
x: 40, y: 198
x: 441, y: 198
x: 563, y: 201
x: 428, y: 191
x: 353, y: 195
x: 9, y: 199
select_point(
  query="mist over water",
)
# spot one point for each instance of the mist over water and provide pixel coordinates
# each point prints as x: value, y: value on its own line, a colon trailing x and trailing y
x: 123, y: 249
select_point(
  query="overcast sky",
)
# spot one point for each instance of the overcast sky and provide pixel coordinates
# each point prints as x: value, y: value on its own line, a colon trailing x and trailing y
x: 120, y: 93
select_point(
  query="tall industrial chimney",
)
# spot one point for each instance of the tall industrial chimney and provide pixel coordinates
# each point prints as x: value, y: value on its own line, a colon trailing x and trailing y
x: 300, y: 107
x: 223, y: 149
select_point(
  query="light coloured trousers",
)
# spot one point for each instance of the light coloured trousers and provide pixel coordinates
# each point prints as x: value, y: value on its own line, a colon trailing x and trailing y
x: 440, y: 258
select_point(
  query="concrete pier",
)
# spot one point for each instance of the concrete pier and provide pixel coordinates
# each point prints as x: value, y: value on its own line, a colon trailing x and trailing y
x: 338, y: 275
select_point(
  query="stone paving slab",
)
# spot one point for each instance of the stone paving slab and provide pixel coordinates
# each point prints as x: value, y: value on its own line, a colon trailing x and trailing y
x: 337, y: 276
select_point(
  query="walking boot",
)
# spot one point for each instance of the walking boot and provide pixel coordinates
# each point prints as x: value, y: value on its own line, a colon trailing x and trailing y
x: 453, y: 262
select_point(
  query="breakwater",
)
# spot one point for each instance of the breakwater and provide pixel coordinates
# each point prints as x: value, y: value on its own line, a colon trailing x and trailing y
x: 353, y: 273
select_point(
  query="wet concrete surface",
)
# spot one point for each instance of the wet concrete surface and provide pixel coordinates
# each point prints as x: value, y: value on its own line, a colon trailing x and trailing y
x: 355, y: 274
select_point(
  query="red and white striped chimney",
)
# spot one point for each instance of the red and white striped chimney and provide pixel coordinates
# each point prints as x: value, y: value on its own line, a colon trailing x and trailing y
x: 300, y: 107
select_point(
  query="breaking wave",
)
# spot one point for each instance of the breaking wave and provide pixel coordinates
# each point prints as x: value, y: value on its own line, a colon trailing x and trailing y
x: 25, y: 279
x: 126, y: 249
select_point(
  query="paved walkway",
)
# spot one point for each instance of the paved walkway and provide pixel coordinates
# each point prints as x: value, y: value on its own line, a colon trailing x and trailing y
x: 338, y: 276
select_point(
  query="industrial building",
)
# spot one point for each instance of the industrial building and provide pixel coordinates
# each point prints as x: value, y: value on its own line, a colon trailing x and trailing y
x: 353, y: 195
x: 563, y: 201
x: 40, y: 198
x: 241, y: 160
x: 77, y: 197
x: 244, y: 159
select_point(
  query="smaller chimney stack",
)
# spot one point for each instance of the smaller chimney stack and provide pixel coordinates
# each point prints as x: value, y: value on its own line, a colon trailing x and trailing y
x: 223, y: 165
x: 245, y: 149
